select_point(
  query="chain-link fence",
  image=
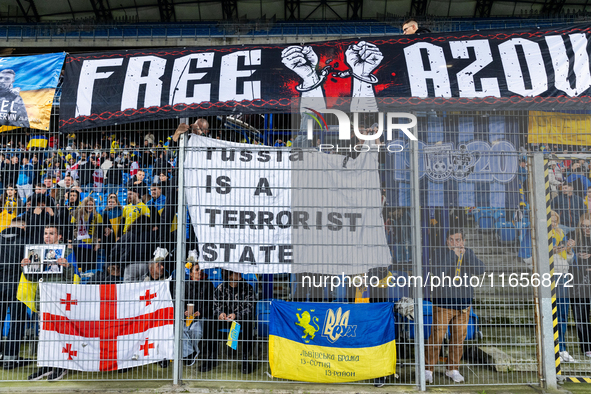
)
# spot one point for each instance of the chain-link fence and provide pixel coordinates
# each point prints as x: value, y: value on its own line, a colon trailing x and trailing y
x: 260, y: 199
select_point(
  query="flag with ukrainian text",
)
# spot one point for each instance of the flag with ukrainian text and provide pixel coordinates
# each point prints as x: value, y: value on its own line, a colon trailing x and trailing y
x: 331, y: 342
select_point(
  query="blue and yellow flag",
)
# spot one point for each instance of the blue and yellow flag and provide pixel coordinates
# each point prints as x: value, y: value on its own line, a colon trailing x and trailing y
x: 37, y: 141
x: 331, y: 342
x: 27, y: 90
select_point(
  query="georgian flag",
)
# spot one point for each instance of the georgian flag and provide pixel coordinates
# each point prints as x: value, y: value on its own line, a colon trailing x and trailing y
x: 134, y: 168
x: 105, y: 327
x: 98, y: 180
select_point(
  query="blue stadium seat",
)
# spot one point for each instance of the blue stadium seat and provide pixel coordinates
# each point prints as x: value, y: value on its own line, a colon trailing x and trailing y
x: 505, y: 231
x: 484, y: 217
x: 214, y: 275
x: 395, y: 292
x: 263, y: 311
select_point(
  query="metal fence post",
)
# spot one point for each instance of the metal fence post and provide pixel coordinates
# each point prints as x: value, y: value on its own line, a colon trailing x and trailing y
x: 542, y: 263
x: 417, y: 267
x: 180, y: 258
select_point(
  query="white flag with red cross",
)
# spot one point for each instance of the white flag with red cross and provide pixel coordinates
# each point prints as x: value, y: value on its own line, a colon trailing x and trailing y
x: 105, y: 327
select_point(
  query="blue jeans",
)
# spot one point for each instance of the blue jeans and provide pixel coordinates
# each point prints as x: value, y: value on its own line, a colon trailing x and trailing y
x: 191, y: 337
x: 562, y: 310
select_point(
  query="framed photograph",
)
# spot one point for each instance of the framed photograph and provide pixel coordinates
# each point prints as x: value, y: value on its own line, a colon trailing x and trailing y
x: 44, y: 259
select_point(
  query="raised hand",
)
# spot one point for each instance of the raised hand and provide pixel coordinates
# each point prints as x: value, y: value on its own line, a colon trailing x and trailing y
x: 302, y: 61
x: 363, y: 58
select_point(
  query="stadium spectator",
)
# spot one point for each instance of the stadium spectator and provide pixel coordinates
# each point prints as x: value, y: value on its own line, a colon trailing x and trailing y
x: 87, y: 233
x: 37, y: 167
x: 85, y: 170
x: 110, y: 275
x: 10, y: 204
x: 112, y: 218
x: 38, y: 217
x: 10, y: 171
x: 563, y: 256
x: 12, y: 249
x: 451, y: 305
x: 154, y: 270
x: 199, y: 292
x: 587, y: 200
x: 24, y: 182
x: 201, y: 127
x: 555, y: 178
x: 51, y: 236
x: 233, y: 300
x: 63, y: 187
x: 577, y: 177
x: 411, y: 26
x: 569, y: 207
x: 66, y: 210
x: 580, y: 294
x: 131, y: 246
x: 149, y: 138
x: 158, y: 200
x: 140, y: 185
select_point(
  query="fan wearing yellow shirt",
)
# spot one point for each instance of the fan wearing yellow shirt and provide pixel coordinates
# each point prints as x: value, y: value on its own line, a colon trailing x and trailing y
x: 134, y: 209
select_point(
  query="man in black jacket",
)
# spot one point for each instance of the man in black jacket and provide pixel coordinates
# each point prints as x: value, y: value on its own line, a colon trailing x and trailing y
x: 412, y: 27
x: 10, y: 172
x: 452, y: 300
x: 12, y: 249
x: 199, y: 293
x: 233, y: 300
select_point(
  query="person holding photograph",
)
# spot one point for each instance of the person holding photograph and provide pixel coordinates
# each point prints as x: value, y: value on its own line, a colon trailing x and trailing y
x: 51, y: 236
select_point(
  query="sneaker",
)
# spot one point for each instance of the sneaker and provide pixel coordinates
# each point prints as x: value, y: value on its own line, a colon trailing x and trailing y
x: 379, y: 382
x: 454, y: 375
x: 588, y: 354
x: 429, y: 376
x: 57, y: 374
x: 190, y: 360
x: 40, y: 374
x: 566, y: 358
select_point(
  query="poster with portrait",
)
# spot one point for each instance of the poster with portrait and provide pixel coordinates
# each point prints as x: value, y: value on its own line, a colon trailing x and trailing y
x: 27, y: 88
x: 43, y: 259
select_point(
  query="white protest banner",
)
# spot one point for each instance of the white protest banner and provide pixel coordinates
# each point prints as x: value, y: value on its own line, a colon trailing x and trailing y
x: 260, y: 209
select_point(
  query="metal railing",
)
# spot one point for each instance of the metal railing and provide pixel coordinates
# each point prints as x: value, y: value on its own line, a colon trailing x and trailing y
x: 68, y: 31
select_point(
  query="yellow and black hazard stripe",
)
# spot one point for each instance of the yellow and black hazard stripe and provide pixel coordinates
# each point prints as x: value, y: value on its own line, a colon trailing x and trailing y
x: 553, y: 282
x: 578, y: 380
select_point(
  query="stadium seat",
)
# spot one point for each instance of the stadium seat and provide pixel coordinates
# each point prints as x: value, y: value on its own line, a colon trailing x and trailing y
x: 395, y: 293
x: 214, y: 275
x: 505, y: 231
x: 263, y: 311
x: 484, y: 217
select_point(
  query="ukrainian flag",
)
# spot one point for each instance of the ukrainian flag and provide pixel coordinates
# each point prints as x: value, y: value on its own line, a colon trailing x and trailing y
x: 331, y: 342
x: 37, y: 141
